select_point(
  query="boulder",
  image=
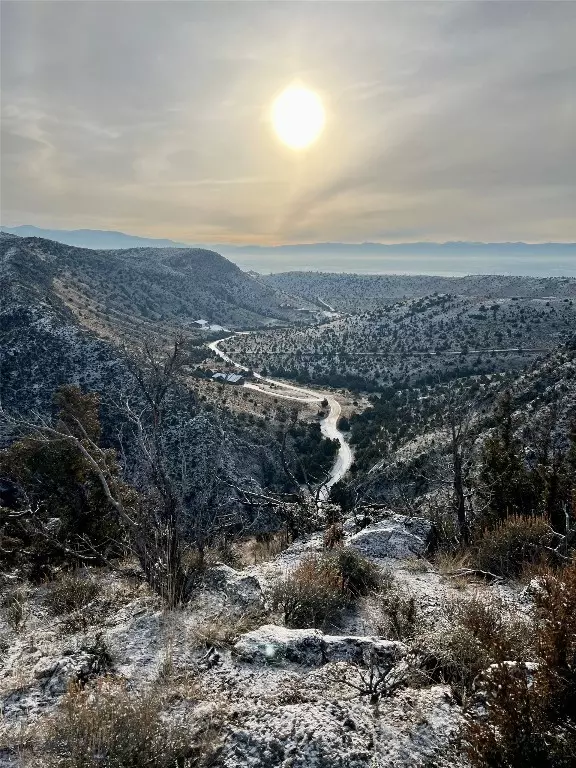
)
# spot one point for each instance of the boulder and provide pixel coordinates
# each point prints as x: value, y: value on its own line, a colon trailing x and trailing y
x: 398, y: 537
x: 312, y: 648
x: 359, y: 649
x: 233, y: 590
x: 412, y: 729
x: 55, y: 675
x: 273, y: 644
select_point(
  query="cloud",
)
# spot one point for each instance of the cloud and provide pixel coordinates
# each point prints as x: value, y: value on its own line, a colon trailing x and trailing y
x: 451, y: 120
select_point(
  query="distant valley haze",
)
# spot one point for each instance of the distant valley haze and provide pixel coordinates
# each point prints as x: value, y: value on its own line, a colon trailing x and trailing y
x: 449, y: 259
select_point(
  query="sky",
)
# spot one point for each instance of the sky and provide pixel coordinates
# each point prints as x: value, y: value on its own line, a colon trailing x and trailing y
x: 444, y: 121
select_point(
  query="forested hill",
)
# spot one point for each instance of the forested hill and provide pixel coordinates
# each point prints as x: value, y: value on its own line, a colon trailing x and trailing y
x: 349, y: 292
x: 416, y: 341
x: 112, y: 292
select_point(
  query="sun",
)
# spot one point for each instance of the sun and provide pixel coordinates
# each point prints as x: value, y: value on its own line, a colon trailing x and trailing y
x: 298, y: 117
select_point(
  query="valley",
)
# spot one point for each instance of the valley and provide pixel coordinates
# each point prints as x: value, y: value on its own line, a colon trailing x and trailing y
x: 375, y: 515
x: 328, y: 423
x: 288, y: 384
x: 416, y: 341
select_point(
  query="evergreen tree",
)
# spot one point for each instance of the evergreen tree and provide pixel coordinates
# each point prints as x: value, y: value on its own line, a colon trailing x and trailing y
x: 506, y: 485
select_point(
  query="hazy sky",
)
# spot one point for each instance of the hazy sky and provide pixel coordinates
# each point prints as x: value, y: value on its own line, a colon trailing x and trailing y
x: 445, y: 121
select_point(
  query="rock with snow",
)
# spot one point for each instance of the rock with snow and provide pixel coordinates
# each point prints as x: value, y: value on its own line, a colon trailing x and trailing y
x: 274, y: 644
x: 410, y: 730
x: 398, y: 537
x: 233, y: 590
x: 312, y: 648
x: 360, y: 649
x: 531, y: 591
x: 55, y: 675
x: 519, y: 669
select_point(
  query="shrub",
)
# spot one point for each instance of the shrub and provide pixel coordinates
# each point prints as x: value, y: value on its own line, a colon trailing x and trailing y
x: 323, y: 585
x: 479, y: 631
x: 311, y: 595
x: 72, y: 592
x: 531, y: 713
x: 505, y: 549
x: 110, y: 727
x: 13, y: 607
x: 397, y: 614
x: 358, y: 574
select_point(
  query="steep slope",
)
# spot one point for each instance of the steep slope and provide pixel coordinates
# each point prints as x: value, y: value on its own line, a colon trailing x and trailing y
x: 128, y: 293
x: 43, y: 345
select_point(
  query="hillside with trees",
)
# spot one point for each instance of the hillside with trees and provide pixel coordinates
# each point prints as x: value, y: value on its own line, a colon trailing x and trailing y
x: 413, y: 342
x: 348, y: 292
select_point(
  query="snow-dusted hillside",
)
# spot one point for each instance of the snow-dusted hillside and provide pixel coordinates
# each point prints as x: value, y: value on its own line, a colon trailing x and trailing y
x: 417, y: 340
x: 45, y: 344
x: 350, y: 292
x: 137, y: 291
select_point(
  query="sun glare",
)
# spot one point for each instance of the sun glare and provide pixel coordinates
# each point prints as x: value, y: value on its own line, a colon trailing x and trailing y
x: 298, y: 117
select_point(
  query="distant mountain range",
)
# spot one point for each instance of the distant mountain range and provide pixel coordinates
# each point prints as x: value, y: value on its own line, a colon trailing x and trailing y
x: 92, y: 238
x: 451, y: 258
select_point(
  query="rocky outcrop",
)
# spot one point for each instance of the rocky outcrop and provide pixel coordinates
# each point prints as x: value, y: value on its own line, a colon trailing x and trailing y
x: 309, y: 647
x: 233, y: 591
x: 52, y: 678
x: 397, y: 536
x: 56, y: 675
x: 412, y: 729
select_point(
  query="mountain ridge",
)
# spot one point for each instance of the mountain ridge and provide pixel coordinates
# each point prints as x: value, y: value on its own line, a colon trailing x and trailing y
x: 416, y: 246
x: 162, y: 287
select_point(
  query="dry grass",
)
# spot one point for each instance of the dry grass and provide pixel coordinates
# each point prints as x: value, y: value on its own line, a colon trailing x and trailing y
x: 264, y: 548
x: 416, y: 565
x: 14, y: 607
x: 450, y: 560
x: 109, y: 726
x: 223, y: 631
x: 71, y: 593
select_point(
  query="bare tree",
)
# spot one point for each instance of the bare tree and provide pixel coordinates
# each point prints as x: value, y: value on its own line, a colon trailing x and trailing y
x: 177, y: 508
x: 378, y: 677
x: 308, y: 495
x: 444, y: 464
x: 460, y: 415
x: 179, y: 467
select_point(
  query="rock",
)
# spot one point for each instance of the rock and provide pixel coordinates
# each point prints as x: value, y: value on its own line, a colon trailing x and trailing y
x: 411, y: 730
x: 531, y: 591
x: 489, y: 677
x: 398, y: 536
x: 274, y: 644
x: 55, y: 675
x: 241, y: 593
x: 310, y: 647
x: 359, y: 649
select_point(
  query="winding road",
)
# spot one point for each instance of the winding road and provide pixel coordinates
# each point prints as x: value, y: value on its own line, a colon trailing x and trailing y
x: 328, y: 425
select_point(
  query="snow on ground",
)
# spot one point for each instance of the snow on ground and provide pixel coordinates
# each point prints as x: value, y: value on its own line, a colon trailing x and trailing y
x: 280, y: 714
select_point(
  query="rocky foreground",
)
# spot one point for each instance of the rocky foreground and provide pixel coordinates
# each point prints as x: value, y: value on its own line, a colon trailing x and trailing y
x: 269, y: 696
